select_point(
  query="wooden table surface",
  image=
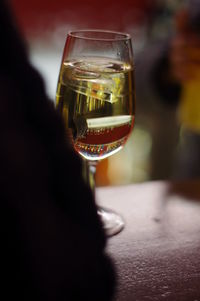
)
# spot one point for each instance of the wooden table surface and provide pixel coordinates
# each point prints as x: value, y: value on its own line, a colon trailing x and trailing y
x: 157, y: 255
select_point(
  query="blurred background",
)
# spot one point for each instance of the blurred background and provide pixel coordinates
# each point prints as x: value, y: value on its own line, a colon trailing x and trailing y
x: 155, y: 150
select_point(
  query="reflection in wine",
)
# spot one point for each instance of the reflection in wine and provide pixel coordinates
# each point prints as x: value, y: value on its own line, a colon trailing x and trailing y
x: 96, y: 98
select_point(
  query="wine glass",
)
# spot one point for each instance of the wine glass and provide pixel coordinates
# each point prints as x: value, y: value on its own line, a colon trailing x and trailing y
x: 96, y: 97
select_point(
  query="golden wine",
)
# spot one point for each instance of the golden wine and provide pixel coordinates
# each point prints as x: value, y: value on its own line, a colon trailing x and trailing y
x: 97, y: 100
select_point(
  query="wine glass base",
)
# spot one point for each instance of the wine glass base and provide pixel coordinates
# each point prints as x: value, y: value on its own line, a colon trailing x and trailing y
x: 112, y: 222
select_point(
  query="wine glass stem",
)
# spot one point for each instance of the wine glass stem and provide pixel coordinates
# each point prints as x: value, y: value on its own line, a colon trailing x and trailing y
x: 112, y: 222
x: 90, y: 174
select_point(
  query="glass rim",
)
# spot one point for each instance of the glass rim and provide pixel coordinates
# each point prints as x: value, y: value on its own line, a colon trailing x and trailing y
x: 110, y: 35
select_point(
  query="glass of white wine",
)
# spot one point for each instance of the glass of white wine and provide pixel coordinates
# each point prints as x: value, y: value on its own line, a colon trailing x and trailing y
x: 96, y: 97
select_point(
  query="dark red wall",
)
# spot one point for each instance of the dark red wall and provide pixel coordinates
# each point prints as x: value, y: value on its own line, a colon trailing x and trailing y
x: 110, y: 14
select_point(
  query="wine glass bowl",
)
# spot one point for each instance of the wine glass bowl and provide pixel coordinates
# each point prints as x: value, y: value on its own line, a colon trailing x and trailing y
x: 96, y: 97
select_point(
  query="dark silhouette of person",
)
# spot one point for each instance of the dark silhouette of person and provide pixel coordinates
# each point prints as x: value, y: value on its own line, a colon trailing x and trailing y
x: 52, y: 240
